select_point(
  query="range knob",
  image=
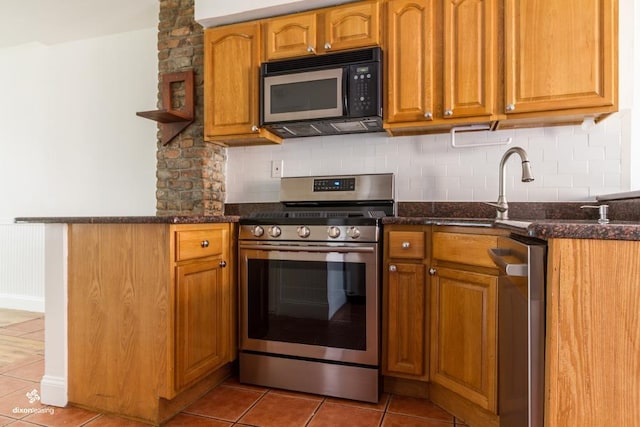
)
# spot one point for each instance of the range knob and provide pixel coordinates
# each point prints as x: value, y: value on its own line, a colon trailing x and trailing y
x: 303, y: 231
x: 257, y: 231
x: 353, y: 232
x: 333, y: 232
x: 275, y: 231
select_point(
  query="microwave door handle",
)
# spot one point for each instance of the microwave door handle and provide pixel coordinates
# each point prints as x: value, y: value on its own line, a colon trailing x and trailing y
x: 346, y: 81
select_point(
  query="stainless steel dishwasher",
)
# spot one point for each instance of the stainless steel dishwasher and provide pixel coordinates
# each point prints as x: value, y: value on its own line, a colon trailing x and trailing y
x: 521, y: 330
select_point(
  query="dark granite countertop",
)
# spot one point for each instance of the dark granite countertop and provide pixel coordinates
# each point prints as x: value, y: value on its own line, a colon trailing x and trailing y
x: 539, y: 228
x: 199, y: 219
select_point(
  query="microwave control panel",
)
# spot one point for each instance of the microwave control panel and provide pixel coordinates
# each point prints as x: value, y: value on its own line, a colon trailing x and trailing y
x: 363, y: 89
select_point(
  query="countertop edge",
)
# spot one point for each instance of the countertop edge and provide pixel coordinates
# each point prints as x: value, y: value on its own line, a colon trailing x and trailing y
x: 129, y: 220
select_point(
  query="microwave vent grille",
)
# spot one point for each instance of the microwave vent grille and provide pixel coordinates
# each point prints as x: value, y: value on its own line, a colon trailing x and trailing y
x: 322, y: 61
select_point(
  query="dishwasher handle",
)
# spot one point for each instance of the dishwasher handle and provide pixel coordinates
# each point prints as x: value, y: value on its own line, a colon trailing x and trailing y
x: 516, y: 270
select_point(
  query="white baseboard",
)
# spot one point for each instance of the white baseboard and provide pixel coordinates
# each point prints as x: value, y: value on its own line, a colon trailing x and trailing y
x: 53, y: 391
x: 18, y: 302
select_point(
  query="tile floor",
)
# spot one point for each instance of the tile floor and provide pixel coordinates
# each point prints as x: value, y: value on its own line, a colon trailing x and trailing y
x: 229, y: 404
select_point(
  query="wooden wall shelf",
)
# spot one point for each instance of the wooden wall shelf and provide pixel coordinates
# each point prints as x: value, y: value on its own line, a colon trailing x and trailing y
x: 173, y: 121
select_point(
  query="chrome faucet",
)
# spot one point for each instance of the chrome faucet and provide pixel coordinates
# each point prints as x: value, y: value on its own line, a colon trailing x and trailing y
x: 502, y: 207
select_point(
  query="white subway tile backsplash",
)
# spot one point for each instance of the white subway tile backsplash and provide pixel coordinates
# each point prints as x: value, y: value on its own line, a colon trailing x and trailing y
x: 568, y: 164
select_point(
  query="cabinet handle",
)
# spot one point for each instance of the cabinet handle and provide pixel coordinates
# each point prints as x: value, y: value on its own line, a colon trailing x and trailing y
x: 406, y: 245
x: 428, y: 115
x: 327, y: 45
x: 510, y: 107
x: 393, y: 268
x: 254, y: 128
x: 432, y: 271
x: 204, y: 244
x: 310, y: 49
x: 223, y: 264
x: 448, y: 113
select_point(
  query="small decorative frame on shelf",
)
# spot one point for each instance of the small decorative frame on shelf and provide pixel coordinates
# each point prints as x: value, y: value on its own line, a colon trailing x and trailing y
x: 173, y: 121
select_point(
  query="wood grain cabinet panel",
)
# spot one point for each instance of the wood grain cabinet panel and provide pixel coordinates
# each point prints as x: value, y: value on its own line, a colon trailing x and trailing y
x: 593, y: 333
x: 464, y: 335
x: 203, y: 321
x: 561, y: 55
x: 231, y: 85
x: 405, y: 303
x: 144, y: 328
x: 470, y: 58
x: 289, y: 36
x: 350, y: 26
x: 410, y: 61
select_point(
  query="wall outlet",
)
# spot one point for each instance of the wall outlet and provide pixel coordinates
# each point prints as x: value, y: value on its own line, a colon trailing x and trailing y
x: 276, y: 168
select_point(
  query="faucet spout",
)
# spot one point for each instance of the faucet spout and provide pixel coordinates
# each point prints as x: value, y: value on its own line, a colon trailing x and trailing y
x: 502, y: 207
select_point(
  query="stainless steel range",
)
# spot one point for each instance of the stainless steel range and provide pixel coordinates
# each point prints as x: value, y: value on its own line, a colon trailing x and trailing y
x: 310, y: 287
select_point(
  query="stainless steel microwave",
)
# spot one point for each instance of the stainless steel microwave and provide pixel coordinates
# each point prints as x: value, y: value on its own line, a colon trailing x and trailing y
x: 323, y: 95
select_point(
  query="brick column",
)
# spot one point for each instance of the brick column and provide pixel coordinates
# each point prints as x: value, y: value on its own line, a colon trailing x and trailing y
x: 190, y: 171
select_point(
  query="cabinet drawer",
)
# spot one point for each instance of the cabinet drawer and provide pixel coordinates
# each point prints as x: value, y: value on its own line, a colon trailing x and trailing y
x: 464, y: 248
x: 198, y: 244
x: 406, y: 244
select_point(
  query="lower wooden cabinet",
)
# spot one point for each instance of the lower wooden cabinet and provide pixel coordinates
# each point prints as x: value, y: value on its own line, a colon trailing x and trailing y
x: 406, y: 303
x: 464, y: 338
x: 464, y: 335
x: 151, y: 315
x: 202, y: 320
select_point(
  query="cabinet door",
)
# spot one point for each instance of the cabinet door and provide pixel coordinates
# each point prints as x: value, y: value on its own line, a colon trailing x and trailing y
x: 409, y: 56
x: 406, y: 321
x: 290, y: 36
x: 203, y: 323
x: 231, y: 61
x: 560, y: 54
x: 464, y: 335
x: 351, y: 26
x: 470, y: 42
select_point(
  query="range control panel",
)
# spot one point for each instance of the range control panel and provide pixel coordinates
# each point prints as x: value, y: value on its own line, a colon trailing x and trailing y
x: 336, y: 184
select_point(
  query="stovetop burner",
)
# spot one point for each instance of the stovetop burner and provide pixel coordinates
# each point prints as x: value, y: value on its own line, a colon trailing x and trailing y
x: 327, y: 207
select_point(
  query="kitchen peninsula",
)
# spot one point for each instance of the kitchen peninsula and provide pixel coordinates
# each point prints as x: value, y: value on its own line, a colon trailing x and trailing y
x: 593, y: 325
x: 139, y: 314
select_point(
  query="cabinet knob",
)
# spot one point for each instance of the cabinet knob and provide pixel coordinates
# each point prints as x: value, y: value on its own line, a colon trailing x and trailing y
x: 432, y: 271
x: 204, y: 244
x: 448, y: 113
x: 223, y: 264
x: 510, y: 107
x: 406, y: 245
x: 310, y: 49
x: 428, y: 115
x: 254, y: 128
x: 327, y: 45
x: 393, y: 268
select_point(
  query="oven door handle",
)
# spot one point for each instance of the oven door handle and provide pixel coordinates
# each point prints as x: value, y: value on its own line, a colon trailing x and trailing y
x: 306, y: 248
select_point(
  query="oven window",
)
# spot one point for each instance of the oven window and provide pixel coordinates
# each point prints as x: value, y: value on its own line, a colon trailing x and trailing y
x: 307, y: 302
x: 304, y: 96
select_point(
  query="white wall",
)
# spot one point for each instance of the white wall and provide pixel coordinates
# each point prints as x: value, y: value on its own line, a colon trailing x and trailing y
x: 569, y: 163
x: 71, y: 144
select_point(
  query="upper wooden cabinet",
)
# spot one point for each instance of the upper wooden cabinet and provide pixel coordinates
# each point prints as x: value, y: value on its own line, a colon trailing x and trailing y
x: 560, y: 57
x: 409, y: 61
x: 441, y: 61
x: 337, y: 28
x: 231, y: 85
x: 470, y: 59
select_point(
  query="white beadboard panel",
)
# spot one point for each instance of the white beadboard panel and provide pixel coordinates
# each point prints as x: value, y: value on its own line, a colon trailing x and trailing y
x: 568, y: 162
x: 22, y: 267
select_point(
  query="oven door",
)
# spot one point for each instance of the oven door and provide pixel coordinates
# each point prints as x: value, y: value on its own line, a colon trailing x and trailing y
x: 318, y: 302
